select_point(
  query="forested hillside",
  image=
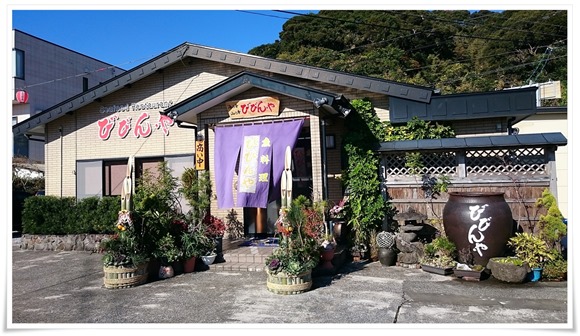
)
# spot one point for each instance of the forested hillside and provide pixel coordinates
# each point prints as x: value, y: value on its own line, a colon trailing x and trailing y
x: 453, y: 51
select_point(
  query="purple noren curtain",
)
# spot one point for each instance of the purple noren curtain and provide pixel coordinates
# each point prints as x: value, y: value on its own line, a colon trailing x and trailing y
x: 260, y: 148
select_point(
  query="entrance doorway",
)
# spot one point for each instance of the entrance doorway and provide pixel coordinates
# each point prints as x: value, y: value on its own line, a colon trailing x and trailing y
x: 261, y: 222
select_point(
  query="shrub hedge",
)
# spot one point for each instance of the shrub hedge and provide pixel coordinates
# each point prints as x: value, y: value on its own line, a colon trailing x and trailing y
x: 59, y: 216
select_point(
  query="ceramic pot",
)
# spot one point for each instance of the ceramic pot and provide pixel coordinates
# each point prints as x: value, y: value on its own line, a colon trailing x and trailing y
x: 189, y: 265
x: 387, y: 256
x: 326, y: 259
x: 166, y: 271
x: 339, y: 231
x: 208, y: 260
x: 479, y: 221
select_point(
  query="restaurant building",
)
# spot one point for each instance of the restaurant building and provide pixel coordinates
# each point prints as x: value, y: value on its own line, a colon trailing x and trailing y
x: 232, y: 114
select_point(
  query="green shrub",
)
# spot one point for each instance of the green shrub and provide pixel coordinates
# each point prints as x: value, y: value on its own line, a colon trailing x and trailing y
x: 48, y: 215
x: 85, y: 211
x: 555, y: 270
x: 106, y: 214
x: 58, y: 216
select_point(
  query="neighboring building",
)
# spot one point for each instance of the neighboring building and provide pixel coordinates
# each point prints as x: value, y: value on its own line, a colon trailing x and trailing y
x: 230, y: 113
x: 552, y: 119
x: 49, y: 74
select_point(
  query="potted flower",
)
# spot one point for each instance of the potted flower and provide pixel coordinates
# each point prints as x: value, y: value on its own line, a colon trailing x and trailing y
x: 290, y: 266
x: 338, y: 227
x: 215, y: 229
x: 439, y: 256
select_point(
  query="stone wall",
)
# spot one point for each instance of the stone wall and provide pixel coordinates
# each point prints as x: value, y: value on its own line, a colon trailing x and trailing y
x: 78, y: 242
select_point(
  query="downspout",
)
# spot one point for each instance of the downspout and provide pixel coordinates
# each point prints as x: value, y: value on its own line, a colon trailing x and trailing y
x: 324, y: 169
x: 61, y: 163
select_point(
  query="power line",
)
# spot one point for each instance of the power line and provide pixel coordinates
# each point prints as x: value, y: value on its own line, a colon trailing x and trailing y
x: 430, y: 17
x: 494, y: 71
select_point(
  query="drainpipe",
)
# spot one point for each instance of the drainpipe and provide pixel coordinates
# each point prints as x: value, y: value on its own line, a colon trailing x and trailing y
x: 324, y: 170
x: 61, y: 163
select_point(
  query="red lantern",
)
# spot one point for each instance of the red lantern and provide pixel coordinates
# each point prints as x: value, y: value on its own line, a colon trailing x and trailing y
x: 22, y: 96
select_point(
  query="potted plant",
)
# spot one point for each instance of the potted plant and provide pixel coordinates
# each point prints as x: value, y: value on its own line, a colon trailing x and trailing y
x: 208, y: 248
x: 125, y: 261
x: 439, y: 256
x: 167, y: 253
x: 193, y: 243
x: 466, y: 269
x: 508, y: 269
x: 290, y: 266
x: 215, y: 229
x: 532, y: 250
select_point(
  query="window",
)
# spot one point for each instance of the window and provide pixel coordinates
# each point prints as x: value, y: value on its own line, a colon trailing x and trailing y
x: 18, y: 71
x: 85, y: 84
x: 105, y: 178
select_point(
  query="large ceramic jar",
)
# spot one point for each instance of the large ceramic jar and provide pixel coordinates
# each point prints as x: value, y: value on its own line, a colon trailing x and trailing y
x: 479, y: 221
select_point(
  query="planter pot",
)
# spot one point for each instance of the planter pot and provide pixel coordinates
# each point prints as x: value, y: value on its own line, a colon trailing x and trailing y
x: 508, y: 272
x: 125, y: 277
x: 166, y: 271
x: 470, y: 275
x: 535, y: 275
x: 219, y: 243
x: 208, y: 260
x: 286, y: 284
x: 326, y: 259
x: 177, y: 267
x: 189, y: 265
x: 339, y: 231
x: 387, y: 256
x: 478, y: 221
x: 437, y: 270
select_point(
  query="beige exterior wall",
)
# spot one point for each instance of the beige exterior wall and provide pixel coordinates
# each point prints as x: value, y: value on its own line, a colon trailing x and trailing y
x: 552, y: 122
x: 80, y: 140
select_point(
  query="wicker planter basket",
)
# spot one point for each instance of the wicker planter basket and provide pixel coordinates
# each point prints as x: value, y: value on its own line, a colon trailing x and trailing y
x: 286, y: 284
x: 125, y: 277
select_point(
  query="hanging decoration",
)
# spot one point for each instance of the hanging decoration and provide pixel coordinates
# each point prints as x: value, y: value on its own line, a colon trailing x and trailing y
x: 22, y: 96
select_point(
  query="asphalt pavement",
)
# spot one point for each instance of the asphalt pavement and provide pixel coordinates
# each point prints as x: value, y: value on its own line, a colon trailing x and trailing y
x: 66, y: 288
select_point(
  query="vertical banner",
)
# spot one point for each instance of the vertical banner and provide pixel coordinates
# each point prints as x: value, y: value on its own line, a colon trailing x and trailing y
x: 200, y: 155
x: 228, y: 141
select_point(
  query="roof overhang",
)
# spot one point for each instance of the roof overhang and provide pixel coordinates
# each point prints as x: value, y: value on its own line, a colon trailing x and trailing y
x: 479, y: 142
x: 514, y: 103
x: 35, y: 124
x: 187, y: 110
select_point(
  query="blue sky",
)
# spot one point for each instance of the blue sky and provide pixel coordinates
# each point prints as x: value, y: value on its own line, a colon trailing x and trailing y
x: 126, y: 38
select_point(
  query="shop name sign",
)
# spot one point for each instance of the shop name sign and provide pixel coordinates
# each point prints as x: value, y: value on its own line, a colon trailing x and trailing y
x: 140, y: 128
x: 252, y: 108
x: 136, y: 107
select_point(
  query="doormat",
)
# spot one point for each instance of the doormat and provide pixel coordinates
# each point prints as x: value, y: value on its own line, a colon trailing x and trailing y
x: 266, y: 242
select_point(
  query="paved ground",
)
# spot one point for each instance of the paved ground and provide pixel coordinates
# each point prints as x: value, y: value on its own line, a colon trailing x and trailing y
x: 66, y: 288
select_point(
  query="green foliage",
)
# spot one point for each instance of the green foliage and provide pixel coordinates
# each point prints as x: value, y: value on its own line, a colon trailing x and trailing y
x: 366, y: 207
x: 299, y: 229
x: 106, y: 213
x: 439, y: 253
x: 85, y: 211
x: 234, y: 227
x: 556, y: 269
x: 510, y: 260
x: 196, y: 188
x: 551, y: 225
x: 156, y: 206
x: 48, y: 215
x: 166, y: 249
x: 531, y: 249
x: 454, y: 51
